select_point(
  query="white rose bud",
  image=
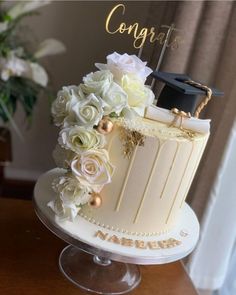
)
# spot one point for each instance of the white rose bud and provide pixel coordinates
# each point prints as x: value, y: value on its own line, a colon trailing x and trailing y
x: 71, y: 191
x: 63, y: 211
x: 93, y: 169
x: 79, y: 139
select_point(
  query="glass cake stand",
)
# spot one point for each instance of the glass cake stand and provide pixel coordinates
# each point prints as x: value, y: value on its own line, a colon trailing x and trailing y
x: 99, y: 266
x: 90, y: 268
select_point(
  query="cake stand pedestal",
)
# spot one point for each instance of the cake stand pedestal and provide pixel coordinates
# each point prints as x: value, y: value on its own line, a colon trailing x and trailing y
x: 100, y: 266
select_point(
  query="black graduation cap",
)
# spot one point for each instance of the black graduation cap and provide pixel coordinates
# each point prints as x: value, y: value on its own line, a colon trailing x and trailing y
x: 178, y: 94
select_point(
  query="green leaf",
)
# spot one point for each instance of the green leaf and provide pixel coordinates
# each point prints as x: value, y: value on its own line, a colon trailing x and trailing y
x: 7, y: 18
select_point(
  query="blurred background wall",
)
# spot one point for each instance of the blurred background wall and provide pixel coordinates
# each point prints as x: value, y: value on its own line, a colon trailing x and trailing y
x: 80, y: 25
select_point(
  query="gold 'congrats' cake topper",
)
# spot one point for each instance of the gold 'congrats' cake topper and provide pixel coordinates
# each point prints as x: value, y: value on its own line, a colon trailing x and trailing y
x: 141, y: 34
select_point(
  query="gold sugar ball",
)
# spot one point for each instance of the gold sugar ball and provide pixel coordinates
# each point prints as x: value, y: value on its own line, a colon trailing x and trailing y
x: 95, y: 201
x: 105, y: 126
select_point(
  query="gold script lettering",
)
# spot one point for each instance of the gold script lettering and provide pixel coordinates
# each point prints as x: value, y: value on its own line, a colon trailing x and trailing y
x: 127, y: 242
x: 140, y: 244
x: 153, y: 245
x: 114, y: 239
x: 101, y: 235
x: 141, y: 34
x: 110, y: 15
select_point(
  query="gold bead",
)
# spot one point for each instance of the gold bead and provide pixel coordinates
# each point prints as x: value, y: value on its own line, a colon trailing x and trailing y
x: 105, y: 126
x: 95, y: 201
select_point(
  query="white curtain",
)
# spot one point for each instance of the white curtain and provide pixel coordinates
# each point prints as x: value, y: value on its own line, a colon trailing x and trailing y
x: 213, y: 264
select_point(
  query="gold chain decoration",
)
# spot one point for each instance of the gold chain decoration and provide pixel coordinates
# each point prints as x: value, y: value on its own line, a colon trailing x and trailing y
x: 130, y: 140
x: 205, y: 101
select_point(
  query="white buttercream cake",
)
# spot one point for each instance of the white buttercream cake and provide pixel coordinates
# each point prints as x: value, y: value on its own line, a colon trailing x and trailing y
x: 124, y: 167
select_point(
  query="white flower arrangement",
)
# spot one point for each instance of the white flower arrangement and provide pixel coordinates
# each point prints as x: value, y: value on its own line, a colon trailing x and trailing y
x: 22, y: 77
x: 117, y: 89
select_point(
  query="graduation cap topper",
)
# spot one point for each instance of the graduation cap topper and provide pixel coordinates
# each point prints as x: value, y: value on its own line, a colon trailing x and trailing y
x: 182, y: 93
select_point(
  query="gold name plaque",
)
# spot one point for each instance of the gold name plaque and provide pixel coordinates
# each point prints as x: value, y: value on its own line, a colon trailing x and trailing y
x: 139, y: 244
x: 141, y: 34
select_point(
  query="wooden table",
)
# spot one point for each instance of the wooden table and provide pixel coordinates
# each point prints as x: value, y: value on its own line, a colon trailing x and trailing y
x: 29, y: 260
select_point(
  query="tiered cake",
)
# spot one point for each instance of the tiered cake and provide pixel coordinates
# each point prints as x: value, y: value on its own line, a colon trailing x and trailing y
x: 126, y: 165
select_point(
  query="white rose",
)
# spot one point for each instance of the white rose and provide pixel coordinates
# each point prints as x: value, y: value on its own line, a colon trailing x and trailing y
x: 79, y: 139
x: 63, y: 157
x: 139, y: 95
x: 97, y: 82
x: 93, y: 169
x: 62, y: 104
x: 86, y: 112
x: 124, y: 64
x: 64, y: 211
x: 70, y: 190
x: 115, y: 99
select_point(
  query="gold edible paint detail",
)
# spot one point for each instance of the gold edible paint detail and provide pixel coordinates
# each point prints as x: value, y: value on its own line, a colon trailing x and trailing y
x: 117, y: 208
x: 177, y: 192
x: 138, y: 244
x: 193, y: 173
x: 171, y: 167
x: 160, y: 145
x: 130, y: 139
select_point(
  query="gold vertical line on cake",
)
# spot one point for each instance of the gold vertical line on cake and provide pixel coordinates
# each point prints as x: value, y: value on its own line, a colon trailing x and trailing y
x: 169, y: 173
x: 181, y: 180
x: 193, y: 173
x: 117, y: 208
x: 160, y: 145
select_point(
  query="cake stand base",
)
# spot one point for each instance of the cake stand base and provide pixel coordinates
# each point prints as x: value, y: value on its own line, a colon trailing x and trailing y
x: 96, y: 274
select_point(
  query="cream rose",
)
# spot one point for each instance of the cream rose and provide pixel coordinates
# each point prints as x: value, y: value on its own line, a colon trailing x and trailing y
x: 139, y: 95
x: 70, y: 190
x: 63, y: 157
x: 64, y: 211
x: 115, y: 99
x: 85, y: 112
x: 79, y: 139
x: 97, y: 82
x: 93, y: 169
x: 62, y: 104
x: 120, y: 65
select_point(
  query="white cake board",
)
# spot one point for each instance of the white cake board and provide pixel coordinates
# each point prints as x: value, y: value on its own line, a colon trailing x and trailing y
x: 81, y: 233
